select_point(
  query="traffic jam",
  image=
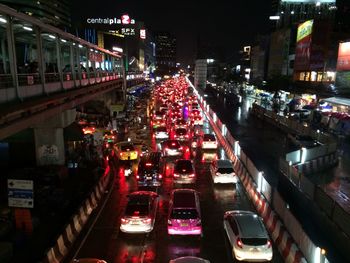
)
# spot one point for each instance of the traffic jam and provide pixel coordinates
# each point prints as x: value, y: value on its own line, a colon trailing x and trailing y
x: 179, y: 199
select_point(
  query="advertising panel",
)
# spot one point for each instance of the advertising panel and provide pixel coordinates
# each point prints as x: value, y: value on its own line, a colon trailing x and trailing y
x: 343, y: 63
x: 320, y: 43
x: 303, y: 47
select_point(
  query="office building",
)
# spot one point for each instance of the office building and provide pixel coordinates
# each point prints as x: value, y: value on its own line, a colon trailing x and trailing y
x: 53, y: 12
x: 165, y: 53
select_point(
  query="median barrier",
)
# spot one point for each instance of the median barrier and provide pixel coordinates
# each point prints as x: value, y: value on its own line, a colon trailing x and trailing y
x: 289, y: 250
x: 65, y: 241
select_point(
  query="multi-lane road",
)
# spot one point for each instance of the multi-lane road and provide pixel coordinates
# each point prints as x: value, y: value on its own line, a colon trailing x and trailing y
x: 104, y: 240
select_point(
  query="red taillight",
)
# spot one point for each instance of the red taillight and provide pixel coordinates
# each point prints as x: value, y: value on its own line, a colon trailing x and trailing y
x: 137, y: 177
x: 120, y: 154
x: 148, y: 164
x: 147, y: 220
x: 269, y: 244
x: 203, y: 159
x: 160, y: 176
x: 176, y: 175
x: 169, y: 222
x: 239, y: 243
x: 192, y: 175
x: 124, y: 221
x: 181, y: 148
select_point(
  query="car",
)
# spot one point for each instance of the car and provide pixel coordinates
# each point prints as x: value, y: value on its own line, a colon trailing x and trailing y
x: 161, y: 133
x: 197, y: 120
x: 195, y: 106
x: 222, y: 172
x: 208, y: 156
x: 209, y: 141
x: 195, y: 113
x: 181, y: 134
x: 248, y: 236
x: 140, y: 212
x: 126, y: 151
x: 189, y: 259
x: 172, y: 148
x: 158, y: 123
x: 184, y: 172
x: 149, y: 170
x: 89, y: 130
x: 176, y: 114
x: 88, y: 260
x: 184, y: 216
x: 109, y: 137
x: 180, y: 123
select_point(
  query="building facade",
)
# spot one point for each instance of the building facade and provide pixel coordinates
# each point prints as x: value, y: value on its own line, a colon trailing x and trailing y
x: 165, y: 53
x: 53, y: 12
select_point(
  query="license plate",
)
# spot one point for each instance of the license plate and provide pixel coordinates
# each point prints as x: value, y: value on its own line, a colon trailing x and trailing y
x: 184, y: 224
x: 149, y: 178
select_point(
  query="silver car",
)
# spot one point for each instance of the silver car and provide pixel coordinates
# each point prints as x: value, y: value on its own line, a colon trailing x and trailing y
x: 248, y: 236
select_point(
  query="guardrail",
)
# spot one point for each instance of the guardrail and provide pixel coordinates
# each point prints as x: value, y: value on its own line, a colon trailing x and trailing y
x: 287, y: 233
x: 65, y: 240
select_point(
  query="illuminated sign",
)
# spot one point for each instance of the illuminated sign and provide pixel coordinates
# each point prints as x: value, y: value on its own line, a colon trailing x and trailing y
x: 310, y: 1
x: 304, y: 30
x: 343, y: 63
x: 124, y: 20
x: 118, y: 49
x: 143, y: 33
x: 128, y: 31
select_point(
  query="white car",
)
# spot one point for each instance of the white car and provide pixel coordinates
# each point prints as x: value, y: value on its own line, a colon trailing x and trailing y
x: 161, y: 133
x: 248, y: 236
x: 209, y: 141
x: 198, y: 120
x: 189, y: 259
x: 140, y: 212
x: 222, y: 172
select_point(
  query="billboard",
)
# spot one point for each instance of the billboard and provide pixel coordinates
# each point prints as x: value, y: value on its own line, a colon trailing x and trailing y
x: 343, y: 63
x: 303, y: 47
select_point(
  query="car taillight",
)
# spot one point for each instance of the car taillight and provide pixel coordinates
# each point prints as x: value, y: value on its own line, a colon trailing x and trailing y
x: 124, y: 221
x: 192, y: 175
x: 181, y: 148
x: 160, y: 176
x: 268, y: 244
x: 239, y: 243
x: 120, y: 154
x: 169, y: 222
x: 176, y: 175
x: 137, y: 177
x: 147, y: 220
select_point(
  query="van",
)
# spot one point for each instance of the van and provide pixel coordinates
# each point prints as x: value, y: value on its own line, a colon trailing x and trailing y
x: 149, y: 171
x: 184, y: 217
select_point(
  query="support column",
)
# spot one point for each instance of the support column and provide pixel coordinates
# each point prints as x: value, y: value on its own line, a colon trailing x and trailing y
x: 49, y: 140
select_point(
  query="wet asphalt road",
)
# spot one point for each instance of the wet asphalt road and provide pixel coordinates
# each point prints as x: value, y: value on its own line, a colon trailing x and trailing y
x: 105, y: 241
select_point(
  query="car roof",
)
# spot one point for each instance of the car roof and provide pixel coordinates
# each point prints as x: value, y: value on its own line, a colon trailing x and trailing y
x: 224, y: 163
x: 250, y: 225
x: 184, y: 198
x: 189, y: 259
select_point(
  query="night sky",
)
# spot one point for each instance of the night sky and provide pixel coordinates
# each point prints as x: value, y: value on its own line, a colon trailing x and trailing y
x: 223, y: 25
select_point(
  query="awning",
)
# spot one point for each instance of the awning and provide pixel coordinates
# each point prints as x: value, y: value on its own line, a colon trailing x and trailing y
x: 339, y: 101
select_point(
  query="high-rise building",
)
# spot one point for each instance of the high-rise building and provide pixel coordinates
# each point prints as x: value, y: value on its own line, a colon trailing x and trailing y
x: 293, y: 12
x: 165, y: 53
x: 53, y: 12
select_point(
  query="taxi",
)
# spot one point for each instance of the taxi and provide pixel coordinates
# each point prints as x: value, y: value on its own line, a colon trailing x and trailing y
x: 126, y: 151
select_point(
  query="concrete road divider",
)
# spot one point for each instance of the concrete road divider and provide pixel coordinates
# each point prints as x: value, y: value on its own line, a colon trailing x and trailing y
x: 65, y: 241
